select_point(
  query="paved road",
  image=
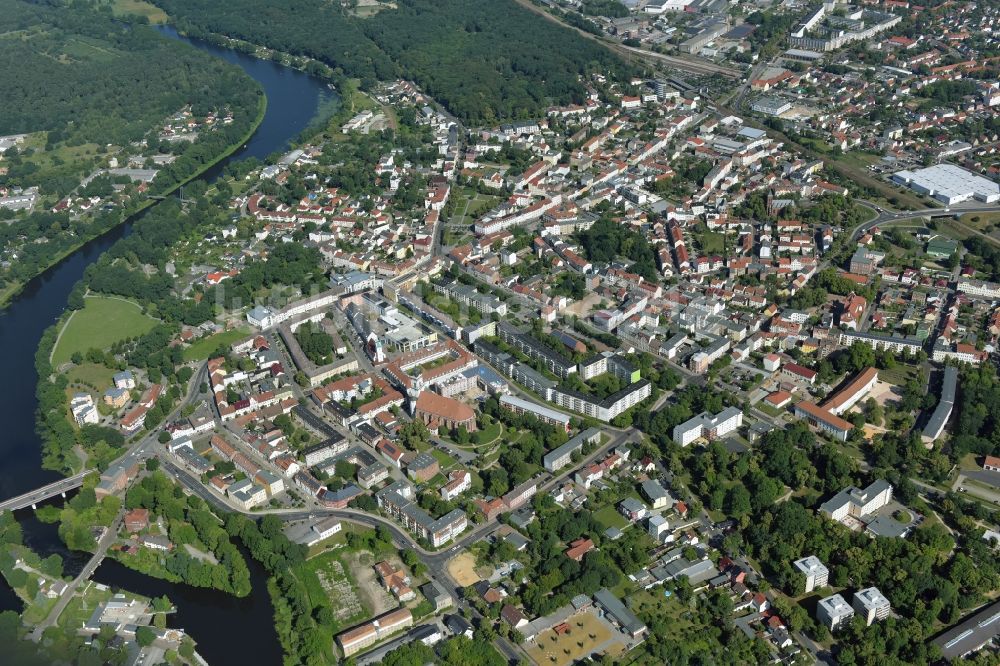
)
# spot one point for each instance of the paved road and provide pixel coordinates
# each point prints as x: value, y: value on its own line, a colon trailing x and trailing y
x: 687, y: 64
x: 88, y: 570
x: 142, y: 449
x: 45, y: 492
x: 886, y: 216
x: 989, y: 478
x: 436, y: 561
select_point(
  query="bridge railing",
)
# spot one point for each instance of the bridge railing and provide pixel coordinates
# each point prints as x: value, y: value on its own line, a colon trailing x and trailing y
x: 45, y: 492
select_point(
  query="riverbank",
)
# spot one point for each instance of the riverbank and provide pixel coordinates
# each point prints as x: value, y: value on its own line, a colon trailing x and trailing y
x: 227, y: 628
x: 10, y: 292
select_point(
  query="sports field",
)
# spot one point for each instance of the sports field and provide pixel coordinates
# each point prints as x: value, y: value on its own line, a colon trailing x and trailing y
x: 101, y: 323
x: 577, y: 638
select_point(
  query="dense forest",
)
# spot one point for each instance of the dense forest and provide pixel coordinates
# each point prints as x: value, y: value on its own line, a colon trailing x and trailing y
x: 483, y: 59
x: 86, y: 78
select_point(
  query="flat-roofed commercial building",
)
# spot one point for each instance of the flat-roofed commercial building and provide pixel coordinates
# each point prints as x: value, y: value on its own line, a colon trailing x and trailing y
x: 971, y: 635
x: 949, y: 184
x: 622, y: 616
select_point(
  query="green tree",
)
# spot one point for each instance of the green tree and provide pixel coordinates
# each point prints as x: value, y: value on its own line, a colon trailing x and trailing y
x: 144, y: 636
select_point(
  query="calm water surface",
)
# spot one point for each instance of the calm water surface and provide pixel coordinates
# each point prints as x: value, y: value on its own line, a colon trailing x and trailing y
x: 228, y: 630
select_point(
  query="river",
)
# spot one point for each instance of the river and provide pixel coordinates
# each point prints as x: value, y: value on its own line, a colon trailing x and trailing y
x: 226, y: 629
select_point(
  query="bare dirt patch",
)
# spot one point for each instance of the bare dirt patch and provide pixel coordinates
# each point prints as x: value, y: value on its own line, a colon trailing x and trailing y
x: 379, y: 600
x: 343, y: 600
x: 578, y: 637
x: 883, y: 392
x: 462, y: 568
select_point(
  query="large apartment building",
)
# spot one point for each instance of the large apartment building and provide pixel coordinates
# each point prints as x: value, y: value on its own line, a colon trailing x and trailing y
x: 871, y: 605
x: 559, y: 457
x: 856, y: 502
x: 708, y: 426
x: 553, y: 361
x: 399, y: 501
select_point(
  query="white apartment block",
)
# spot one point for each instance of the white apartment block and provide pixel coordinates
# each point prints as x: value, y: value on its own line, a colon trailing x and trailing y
x: 979, y: 288
x: 708, y: 426
x: 856, y: 502
x: 871, y: 604
x: 815, y: 572
x: 84, y: 411
x: 834, y: 612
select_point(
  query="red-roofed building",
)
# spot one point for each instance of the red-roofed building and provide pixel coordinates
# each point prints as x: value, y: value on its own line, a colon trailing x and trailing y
x: 798, y: 372
x: 851, y: 310
x: 778, y: 399
x: 447, y: 412
x: 136, y: 520
x: 577, y: 549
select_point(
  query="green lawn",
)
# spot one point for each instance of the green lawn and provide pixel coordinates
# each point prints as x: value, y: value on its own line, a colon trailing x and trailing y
x: 899, y: 374
x: 481, y: 203
x: 490, y: 433
x: 444, y: 460
x: 859, y: 159
x: 140, y: 7
x: 609, y: 517
x: 979, y: 221
x: 92, y: 374
x: 101, y: 323
x: 202, y: 349
x: 712, y: 242
x: 770, y: 410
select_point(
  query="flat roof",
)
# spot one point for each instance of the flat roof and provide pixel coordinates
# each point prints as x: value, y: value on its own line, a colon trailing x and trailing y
x: 619, y: 612
x: 811, y: 565
x: 871, y: 598
x: 949, y: 180
x: 836, y: 605
x: 572, y: 445
x: 971, y: 634
x: 534, y: 407
x: 944, y: 407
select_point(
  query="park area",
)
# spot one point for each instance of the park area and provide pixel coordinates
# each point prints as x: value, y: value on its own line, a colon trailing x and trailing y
x: 101, y: 323
x: 576, y: 638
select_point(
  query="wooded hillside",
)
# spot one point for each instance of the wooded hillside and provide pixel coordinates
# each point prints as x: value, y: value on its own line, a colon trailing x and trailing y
x: 484, y: 59
x: 84, y: 77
